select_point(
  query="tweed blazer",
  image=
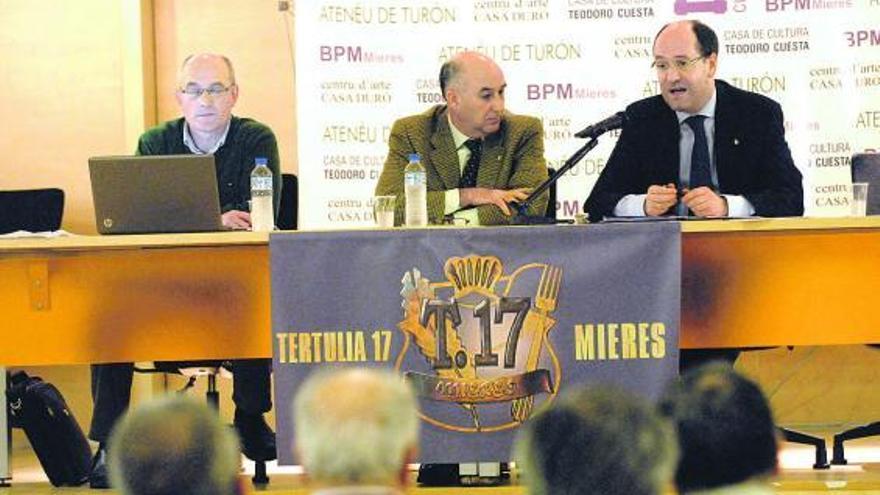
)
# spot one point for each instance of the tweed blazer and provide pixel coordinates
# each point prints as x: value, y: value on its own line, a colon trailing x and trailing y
x: 752, y: 157
x: 512, y: 158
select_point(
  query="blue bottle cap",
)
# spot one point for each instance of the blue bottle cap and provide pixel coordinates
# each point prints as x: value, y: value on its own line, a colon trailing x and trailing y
x: 414, y: 157
x: 261, y: 161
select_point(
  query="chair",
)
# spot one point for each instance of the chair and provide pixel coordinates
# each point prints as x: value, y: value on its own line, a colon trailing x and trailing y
x: 287, y: 211
x: 872, y: 429
x: 210, y: 369
x: 35, y: 210
x: 865, y: 168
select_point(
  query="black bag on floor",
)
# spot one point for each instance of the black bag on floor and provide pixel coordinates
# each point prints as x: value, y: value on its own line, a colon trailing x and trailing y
x: 40, y: 410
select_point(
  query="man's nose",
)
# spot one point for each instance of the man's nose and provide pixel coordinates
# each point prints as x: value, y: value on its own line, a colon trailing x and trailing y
x: 497, y: 104
x: 206, y: 98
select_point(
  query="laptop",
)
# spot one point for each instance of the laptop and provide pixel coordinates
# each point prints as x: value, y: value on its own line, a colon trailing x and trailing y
x: 866, y: 168
x: 155, y: 194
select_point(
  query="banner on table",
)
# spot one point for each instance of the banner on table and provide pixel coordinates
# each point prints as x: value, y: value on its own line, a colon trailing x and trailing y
x: 488, y: 325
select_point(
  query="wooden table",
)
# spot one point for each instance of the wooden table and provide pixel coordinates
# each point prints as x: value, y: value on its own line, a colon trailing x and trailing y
x: 86, y: 299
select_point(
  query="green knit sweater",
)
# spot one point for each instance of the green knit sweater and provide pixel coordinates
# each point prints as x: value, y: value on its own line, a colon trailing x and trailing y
x: 247, y: 139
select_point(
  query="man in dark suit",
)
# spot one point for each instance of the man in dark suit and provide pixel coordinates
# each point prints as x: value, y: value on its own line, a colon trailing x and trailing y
x: 474, y: 152
x: 701, y: 148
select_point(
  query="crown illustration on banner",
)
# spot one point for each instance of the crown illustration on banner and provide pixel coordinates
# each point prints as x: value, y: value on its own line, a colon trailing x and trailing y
x: 473, y: 273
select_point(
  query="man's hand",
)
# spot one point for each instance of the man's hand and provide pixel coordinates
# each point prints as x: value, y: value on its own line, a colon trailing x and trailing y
x: 705, y: 203
x: 659, y: 199
x: 476, y: 196
x: 236, y: 220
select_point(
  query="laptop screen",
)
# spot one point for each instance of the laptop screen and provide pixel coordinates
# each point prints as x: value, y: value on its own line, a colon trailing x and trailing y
x: 155, y: 194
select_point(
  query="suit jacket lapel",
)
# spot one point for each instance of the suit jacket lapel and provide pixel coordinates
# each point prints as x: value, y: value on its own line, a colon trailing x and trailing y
x: 443, y: 153
x: 724, y: 125
x: 667, y: 138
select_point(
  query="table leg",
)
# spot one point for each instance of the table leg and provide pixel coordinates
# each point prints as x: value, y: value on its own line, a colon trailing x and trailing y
x: 5, y: 433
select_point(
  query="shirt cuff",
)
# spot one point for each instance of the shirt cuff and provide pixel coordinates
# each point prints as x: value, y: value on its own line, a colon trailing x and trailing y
x: 738, y: 206
x: 453, y: 200
x: 631, y: 205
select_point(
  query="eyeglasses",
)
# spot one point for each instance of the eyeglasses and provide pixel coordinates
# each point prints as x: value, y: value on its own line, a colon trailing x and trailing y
x: 457, y: 221
x: 679, y: 64
x: 214, y: 91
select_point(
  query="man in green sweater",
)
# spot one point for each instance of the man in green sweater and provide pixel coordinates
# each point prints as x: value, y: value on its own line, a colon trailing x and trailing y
x: 206, y: 92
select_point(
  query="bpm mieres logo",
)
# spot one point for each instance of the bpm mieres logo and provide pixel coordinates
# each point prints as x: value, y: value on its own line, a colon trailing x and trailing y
x: 684, y: 7
x: 481, y: 335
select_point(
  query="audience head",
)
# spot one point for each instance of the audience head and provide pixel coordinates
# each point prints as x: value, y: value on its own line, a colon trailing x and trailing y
x: 473, y: 86
x: 686, y: 58
x: 206, y: 92
x: 725, y: 428
x: 597, y: 440
x: 356, y: 426
x: 174, y: 446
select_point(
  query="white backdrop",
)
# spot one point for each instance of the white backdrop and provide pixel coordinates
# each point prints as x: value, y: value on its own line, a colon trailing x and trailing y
x: 362, y: 64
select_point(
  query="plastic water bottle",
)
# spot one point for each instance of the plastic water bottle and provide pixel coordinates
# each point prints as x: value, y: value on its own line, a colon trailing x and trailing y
x: 262, y: 206
x: 415, y: 186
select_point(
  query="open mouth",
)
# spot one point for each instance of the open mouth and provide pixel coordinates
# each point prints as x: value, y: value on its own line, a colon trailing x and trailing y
x: 677, y: 91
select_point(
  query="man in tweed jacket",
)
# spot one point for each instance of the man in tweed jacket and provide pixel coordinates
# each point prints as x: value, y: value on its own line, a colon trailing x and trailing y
x: 510, y: 148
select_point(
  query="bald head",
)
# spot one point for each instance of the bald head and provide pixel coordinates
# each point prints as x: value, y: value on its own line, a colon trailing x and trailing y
x: 473, y: 86
x: 198, y: 61
x: 454, y: 70
x: 356, y: 426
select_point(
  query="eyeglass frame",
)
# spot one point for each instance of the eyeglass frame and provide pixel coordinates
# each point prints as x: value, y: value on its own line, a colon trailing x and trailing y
x: 680, y: 65
x: 455, y: 221
x: 214, y: 91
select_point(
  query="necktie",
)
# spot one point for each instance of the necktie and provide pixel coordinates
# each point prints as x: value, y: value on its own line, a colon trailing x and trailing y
x: 700, y: 174
x: 469, y: 175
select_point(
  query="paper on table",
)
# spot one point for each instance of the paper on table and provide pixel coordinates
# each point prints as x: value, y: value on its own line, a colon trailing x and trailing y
x: 24, y: 234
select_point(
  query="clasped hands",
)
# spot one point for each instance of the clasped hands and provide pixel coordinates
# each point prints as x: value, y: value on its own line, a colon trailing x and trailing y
x: 703, y: 201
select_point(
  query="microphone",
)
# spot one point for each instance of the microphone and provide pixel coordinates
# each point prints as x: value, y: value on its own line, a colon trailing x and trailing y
x: 616, y: 121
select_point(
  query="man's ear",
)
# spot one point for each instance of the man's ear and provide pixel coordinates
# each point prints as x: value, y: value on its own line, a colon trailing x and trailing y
x: 712, y: 60
x: 452, y: 98
x: 234, y: 91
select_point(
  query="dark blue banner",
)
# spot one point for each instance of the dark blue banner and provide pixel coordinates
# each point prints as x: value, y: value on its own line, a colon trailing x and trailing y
x: 488, y: 324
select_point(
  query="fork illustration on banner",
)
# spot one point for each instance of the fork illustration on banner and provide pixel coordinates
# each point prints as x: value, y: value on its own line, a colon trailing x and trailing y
x: 545, y: 304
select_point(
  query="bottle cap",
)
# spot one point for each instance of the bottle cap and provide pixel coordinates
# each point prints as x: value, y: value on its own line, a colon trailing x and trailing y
x: 261, y: 161
x: 414, y: 157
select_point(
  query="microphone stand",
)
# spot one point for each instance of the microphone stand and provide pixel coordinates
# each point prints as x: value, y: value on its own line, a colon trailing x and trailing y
x: 522, y: 218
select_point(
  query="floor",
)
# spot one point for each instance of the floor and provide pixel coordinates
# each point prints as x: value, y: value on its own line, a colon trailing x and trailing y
x: 861, y: 476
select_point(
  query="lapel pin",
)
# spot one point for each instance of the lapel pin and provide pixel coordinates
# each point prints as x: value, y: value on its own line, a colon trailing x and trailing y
x: 736, y: 141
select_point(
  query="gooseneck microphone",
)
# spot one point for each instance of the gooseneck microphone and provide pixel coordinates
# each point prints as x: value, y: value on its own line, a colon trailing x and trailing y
x: 616, y: 121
